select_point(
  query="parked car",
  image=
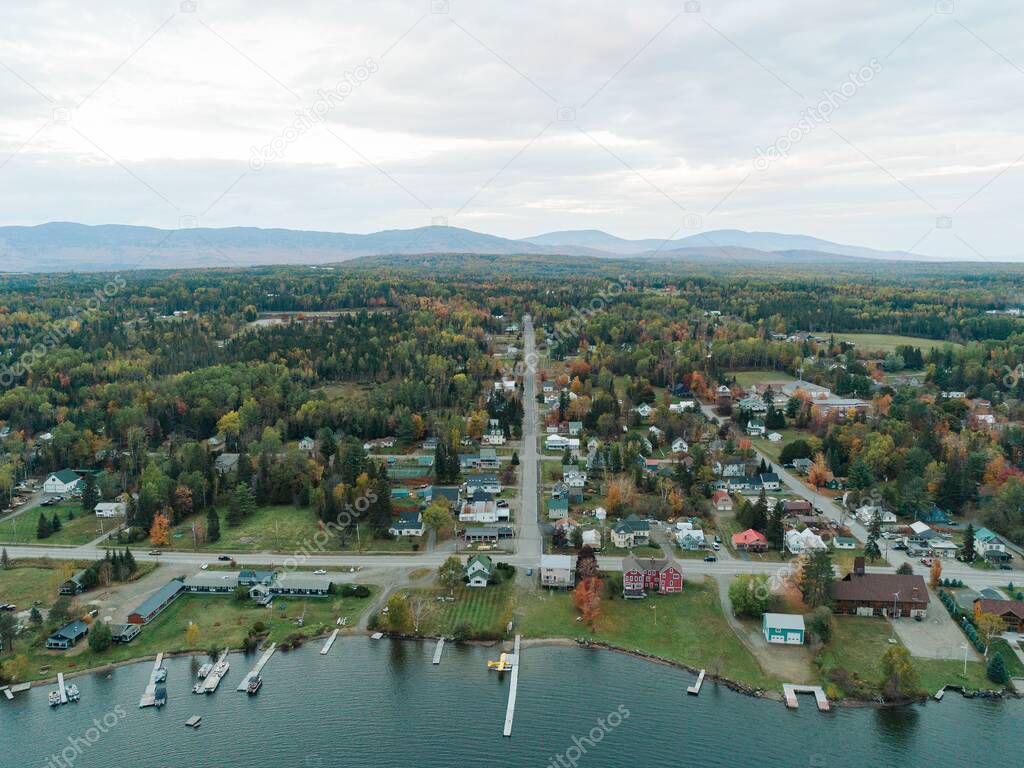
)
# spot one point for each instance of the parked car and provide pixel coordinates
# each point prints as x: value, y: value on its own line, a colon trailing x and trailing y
x: 224, y: 558
x: 8, y: 607
x: 717, y: 546
x: 204, y: 566
x: 926, y: 561
x: 155, y: 552
x: 710, y: 559
x: 319, y: 572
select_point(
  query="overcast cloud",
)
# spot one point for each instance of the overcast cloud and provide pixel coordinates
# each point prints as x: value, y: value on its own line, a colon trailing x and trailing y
x: 645, y: 119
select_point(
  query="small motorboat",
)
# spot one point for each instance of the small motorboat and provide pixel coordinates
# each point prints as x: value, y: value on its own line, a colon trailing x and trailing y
x: 254, y: 685
x: 205, y: 670
x: 160, y: 675
x: 73, y: 693
x: 198, y: 688
x: 503, y: 663
x: 54, y: 699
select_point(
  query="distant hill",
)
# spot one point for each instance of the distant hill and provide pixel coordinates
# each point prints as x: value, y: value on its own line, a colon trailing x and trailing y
x: 734, y: 238
x: 70, y: 247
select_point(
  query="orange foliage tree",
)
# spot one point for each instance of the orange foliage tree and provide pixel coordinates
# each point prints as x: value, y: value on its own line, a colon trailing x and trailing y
x: 160, y: 533
x: 587, y: 599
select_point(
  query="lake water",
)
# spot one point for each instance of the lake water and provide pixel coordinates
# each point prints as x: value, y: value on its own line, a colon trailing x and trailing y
x: 382, y: 703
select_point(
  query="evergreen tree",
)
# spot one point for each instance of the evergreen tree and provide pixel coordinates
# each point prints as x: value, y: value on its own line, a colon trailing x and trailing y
x: 860, y: 475
x: 776, y: 530
x: 380, y: 509
x: 55, y: 524
x: 997, y: 669
x: 5, y: 561
x: 132, y: 510
x: 43, y: 529
x: 90, y: 496
x: 759, y: 514
x: 871, y: 548
x: 129, y: 561
x: 245, y: 471
x: 515, y: 458
x: 969, y: 554
x: 212, y: 525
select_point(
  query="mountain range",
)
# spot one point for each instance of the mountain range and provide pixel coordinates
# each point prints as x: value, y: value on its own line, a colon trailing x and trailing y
x: 71, y: 247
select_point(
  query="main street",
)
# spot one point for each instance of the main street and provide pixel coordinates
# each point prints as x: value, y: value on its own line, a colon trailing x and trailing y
x: 531, y: 544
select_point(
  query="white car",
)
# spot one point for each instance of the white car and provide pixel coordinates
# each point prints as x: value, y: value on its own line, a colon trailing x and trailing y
x: 204, y: 566
x: 320, y: 572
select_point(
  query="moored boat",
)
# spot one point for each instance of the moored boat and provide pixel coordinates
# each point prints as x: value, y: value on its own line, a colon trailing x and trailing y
x: 254, y: 685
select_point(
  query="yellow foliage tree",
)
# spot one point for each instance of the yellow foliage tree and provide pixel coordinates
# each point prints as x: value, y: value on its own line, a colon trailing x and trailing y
x: 192, y: 635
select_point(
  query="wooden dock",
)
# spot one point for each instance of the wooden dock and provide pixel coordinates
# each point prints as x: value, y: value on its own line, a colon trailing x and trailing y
x: 510, y: 711
x: 437, y: 651
x: 194, y: 721
x: 790, y: 691
x: 694, y: 689
x: 61, y: 689
x: 330, y: 643
x: 149, y: 696
x: 10, y: 690
x: 213, y: 679
x: 940, y: 693
x: 244, y: 685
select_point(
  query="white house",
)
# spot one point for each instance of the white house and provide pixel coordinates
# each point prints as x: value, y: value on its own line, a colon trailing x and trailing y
x: 574, y: 478
x: 679, y: 445
x: 644, y: 410
x: 111, y: 509
x: 560, y: 443
x: 307, y: 444
x: 691, y: 539
x: 482, y: 511
x: 681, y: 406
x: 478, y: 570
x: 806, y: 540
x: 486, y: 483
x: 64, y: 481
x: 774, y: 437
x: 408, y: 524
x: 755, y: 428
x: 770, y: 481
x: 592, y: 538
x: 989, y: 545
x: 868, y: 512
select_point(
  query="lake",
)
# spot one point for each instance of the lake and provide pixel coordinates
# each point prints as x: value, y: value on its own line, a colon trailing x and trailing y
x: 382, y: 703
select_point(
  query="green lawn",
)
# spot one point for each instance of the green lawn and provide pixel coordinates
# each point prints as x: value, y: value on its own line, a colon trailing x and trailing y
x: 22, y: 585
x: 690, y: 629
x: 282, y: 528
x: 222, y: 621
x: 774, y: 450
x: 858, y: 645
x: 887, y: 342
x: 484, y: 611
x: 761, y: 376
x: 80, y: 530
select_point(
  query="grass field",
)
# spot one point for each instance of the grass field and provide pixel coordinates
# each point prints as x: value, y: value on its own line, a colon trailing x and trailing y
x: 281, y: 528
x: 774, y: 450
x: 222, y: 621
x: 690, y: 629
x: 484, y: 612
x: 858, y: 645
x: 886, y: 342
x: 760, y: 376
x: 81, y: 530
x: 25, y: 584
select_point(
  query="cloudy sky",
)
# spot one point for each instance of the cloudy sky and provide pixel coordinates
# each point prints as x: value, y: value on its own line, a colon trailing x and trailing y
x: 894, y: 125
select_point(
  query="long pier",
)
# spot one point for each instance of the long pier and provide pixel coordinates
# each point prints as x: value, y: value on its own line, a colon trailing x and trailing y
x: 61, y: 689
x: 790, y: 691
x: 510, y: 711
x: 694, y: 689
x: 258, y: 668
x: 149, y: 696
x: 437, y: 651
x: 330, y: 643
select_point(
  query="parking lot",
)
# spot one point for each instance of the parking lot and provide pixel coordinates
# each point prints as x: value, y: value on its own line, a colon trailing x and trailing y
x: 936, y: 637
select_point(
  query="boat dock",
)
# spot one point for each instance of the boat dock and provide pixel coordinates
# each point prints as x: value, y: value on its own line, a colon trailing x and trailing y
x: 10, y: 690
x: 61, y: 689
x: 437, y: 651
x: 149, y: 696
x: 940, y: 693
x: 194, y: 721
x: 219, y: 670
x: 790, y: 691
x: 694, y: 689
x: 330, y: 643
x: 511, y: 710
x: 244, y: 685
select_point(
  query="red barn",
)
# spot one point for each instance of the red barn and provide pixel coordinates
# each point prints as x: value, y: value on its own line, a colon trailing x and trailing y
x: 640, y: 574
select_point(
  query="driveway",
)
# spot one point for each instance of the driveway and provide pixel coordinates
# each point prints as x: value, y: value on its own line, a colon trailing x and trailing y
x: 936, y: 637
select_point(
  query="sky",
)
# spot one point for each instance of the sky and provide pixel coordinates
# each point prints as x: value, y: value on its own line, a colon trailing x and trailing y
x: 893, y: 125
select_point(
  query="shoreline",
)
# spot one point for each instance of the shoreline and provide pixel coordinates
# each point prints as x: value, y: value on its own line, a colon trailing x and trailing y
x: 565, y: 642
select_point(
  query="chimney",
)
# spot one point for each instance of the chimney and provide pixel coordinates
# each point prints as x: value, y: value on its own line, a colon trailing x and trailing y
x: 858, y: 566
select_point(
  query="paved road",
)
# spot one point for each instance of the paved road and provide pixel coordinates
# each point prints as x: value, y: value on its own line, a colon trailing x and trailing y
x: 531, y: 544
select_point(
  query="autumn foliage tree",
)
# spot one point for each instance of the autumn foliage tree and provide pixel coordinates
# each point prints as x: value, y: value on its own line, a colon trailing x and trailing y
x: 587, y: 599
x: 936, y: 574
x: 160, y: 533
x: 818, y: 475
